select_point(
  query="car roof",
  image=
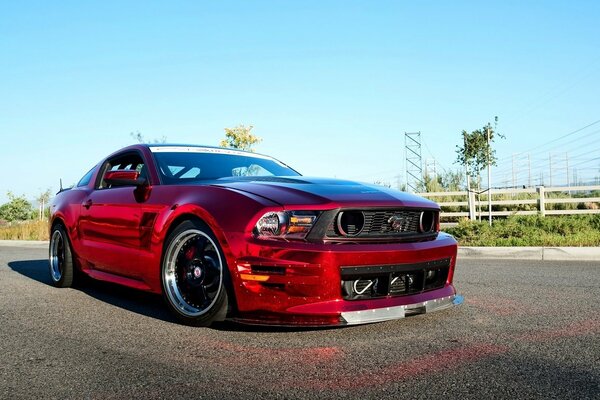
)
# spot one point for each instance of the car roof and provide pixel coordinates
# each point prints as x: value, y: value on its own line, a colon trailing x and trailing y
x: 165, y: 147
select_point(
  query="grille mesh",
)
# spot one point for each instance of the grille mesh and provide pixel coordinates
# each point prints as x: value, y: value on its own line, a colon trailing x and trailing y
x: 378, y: 223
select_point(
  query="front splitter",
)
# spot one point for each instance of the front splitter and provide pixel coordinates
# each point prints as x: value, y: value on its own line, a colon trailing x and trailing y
x: 366, y: 316
x: 397, y: 312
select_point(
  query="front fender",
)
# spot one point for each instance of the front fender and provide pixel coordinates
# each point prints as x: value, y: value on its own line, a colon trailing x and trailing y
x: 223, y: 210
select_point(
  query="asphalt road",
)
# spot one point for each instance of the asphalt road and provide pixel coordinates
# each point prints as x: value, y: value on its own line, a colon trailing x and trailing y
x: 527, y: 330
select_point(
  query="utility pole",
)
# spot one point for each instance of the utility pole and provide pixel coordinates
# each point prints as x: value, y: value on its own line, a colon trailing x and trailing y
x: 398, y: 182
x: 550, y: 155
x: 514, y: 184
x: 430, y: 167
x: 470, y: 198
x: 568, y: 181
x: 529, y: 168
x: 489, y: 171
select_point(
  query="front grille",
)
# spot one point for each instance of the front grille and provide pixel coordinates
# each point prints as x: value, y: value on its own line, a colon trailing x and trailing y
x: 380, y: 224
x: 377, y: 222
x: 393, y: 280
x: 375, y: 225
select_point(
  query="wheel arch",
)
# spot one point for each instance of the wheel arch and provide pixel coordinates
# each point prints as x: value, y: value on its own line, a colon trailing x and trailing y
x: 56, y: 221
x: 193, y: 214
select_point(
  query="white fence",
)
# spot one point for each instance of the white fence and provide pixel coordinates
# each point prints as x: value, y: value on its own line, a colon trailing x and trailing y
x: 539, y: 198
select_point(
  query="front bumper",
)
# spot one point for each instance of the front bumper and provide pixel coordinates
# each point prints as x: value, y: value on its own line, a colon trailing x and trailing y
x: 300, y: 283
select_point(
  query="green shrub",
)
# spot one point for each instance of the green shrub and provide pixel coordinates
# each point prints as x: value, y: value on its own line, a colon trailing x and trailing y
x: 530, y: 230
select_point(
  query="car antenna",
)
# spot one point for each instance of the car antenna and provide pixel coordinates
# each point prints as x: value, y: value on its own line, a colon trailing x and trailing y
x: 61, y: 188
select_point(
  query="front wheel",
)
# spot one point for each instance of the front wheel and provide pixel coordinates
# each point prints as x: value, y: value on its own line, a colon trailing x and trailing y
x: 193, y: 272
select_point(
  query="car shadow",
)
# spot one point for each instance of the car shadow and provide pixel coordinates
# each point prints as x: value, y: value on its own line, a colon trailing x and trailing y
x: 33, y: 269
x: 137, y: 301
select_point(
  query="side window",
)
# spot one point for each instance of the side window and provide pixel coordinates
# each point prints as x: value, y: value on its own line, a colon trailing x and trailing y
x: 125, y: 162
x: 86, y: 178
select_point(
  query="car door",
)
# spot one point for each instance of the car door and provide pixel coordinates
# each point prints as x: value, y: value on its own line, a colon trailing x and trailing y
x: 110, y: 220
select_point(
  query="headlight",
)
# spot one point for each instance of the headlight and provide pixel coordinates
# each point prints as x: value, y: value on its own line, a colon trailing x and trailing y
x: 285, y: 224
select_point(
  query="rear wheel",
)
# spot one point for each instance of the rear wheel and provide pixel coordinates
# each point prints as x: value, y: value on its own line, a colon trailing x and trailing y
x: 193, y: 275
x: 60, y: 257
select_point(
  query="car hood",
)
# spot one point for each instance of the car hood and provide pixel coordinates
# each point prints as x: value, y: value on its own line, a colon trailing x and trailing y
x: 300, y: 190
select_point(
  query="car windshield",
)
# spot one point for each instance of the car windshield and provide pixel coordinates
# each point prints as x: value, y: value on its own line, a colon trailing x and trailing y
x: 193, y: 164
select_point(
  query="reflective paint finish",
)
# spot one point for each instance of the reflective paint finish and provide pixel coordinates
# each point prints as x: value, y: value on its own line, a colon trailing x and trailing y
x: 119, y: 237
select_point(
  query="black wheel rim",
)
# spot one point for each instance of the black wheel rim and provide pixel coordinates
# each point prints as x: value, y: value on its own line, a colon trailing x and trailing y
x: 192, y: 273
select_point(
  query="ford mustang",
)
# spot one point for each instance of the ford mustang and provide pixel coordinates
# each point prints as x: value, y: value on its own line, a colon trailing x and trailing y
x: 223, y: 233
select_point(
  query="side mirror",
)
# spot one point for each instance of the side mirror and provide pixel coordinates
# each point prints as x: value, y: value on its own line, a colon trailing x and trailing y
x: 124, y: 177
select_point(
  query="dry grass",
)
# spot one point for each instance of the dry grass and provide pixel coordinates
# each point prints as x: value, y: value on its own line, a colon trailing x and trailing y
x: 26, y: 230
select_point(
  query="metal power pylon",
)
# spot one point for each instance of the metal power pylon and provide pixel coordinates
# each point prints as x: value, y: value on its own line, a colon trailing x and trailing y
x: 559, y: 168
x: 414, y: 162
x: 431, y: 168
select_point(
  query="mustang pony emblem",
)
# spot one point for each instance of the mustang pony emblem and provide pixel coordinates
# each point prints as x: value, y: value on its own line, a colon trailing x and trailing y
x: 397, y: 223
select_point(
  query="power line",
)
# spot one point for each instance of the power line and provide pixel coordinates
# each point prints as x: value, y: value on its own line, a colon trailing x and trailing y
x: 554, y: 93
x: 439, y: 164
x: 563, y: 147
x: 542, y: 161
x: 555, y: 140
x: 587, y: 161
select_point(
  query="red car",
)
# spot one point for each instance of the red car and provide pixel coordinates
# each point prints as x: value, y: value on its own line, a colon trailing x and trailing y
x: 223, y: 233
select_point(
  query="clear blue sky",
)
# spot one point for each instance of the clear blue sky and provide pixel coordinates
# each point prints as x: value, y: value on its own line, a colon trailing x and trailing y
x: 330, y: 86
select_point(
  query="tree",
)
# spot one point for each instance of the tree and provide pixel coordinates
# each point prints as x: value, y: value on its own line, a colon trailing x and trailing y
x: 141, y: 139
x: 240, y: 138
x: 476, y: 152
x: 17, y: 208
x: 42, y: 200
x: 451, y: 180
x: 380, y: 182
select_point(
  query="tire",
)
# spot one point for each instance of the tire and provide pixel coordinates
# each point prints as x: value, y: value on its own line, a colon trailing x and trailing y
x: 60, y: 258
x: 194, y: 275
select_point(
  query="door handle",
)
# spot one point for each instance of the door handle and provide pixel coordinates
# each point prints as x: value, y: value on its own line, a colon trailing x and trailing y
x: 88, y: 203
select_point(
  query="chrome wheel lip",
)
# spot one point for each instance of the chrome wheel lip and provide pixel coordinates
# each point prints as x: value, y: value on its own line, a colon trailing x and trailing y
x: 169, y: 274
x: 56, y: 267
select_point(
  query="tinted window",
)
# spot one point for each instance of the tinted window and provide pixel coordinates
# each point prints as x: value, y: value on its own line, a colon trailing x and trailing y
x: 127, y: 161
x: 86, y: 178
x: 183, y: 167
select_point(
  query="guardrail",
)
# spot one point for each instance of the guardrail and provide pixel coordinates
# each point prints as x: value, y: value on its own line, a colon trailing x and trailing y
x: 505, y: 202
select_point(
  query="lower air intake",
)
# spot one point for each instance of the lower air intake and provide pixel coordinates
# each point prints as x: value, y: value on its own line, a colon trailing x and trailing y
x: 377, y: 281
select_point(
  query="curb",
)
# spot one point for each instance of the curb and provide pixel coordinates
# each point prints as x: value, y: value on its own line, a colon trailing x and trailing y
x: 24, y: 243
x: 506, y: 253
x: 531, y: 253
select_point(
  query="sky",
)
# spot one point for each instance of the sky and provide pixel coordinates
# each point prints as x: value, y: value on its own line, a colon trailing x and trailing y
x: 330, y: 86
